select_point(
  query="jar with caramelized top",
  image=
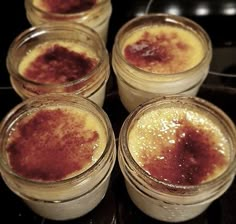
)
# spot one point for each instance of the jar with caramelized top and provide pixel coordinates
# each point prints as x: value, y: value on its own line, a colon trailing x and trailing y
x: 57, y: 154
x: 59, y: 57
x: 177, y: 156
x: 159, y: 54
x: 93, y: 13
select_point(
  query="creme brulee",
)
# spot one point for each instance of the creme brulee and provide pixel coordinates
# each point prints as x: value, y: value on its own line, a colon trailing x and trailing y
x: 163, y: 49
x: 159, y: 54
x: 179, y: 146
x: 57, y: 154
x: 60, y: 57
x: 93, y: 13
x: 53, y: 144
x: 56, y: 62
x: 177, y: 155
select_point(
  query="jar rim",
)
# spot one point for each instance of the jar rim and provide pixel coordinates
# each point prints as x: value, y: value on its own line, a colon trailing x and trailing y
x: 56, y: 99
x: 159, y: 18
x: 180, y: 99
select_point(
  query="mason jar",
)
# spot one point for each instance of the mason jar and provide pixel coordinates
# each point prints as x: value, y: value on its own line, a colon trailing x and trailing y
x: 95, y: 14
x: 159, y: 54
x: 59, y: 57
x: 177, y: 155
x: 57, y: 154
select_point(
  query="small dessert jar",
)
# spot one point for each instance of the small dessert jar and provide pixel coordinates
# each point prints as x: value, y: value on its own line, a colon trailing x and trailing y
x: 93, y: 13
x: 59, y: 57
x: 177, y: 155
x: 159, y: 54
x: 57, y: 154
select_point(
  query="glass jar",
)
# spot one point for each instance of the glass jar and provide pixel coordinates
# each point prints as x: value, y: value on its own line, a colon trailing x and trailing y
x: 79, y: 40
x: 97, y: 17
x: 137, y: 85
x: 166, y: 162
x: 71, y: 194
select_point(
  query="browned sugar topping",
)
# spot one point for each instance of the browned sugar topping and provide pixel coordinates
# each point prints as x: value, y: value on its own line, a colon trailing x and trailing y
x: 51, y: 145
x: 190, y: 161
x: 59, y: 65
x: 167, y: 51
x: 68, y: 6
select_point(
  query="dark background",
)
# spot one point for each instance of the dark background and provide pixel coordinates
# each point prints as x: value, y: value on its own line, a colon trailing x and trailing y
x: 218, y: 18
